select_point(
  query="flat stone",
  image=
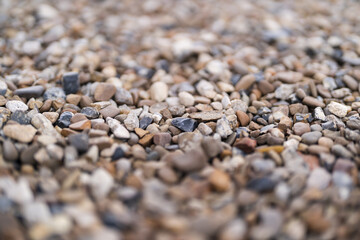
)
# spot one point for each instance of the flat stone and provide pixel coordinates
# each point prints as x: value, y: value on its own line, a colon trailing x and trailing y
x: 184, y: 124
x: 243, y: 118
x: 51, y: 116
x: 265, y: 87
x: 289, y: 77
x: 104, y: 91
x: 338, y: 109
x: 117, y: 129
x: 145, y: 122
x: 300, y: 128
x: 90, y: 112
x: 16, y: 105
x: 131, y: 122
x: 206, y: 116
x: 21, y: 133
x: 30, y: 92
x: 71, y: 83
x: 245, y: 82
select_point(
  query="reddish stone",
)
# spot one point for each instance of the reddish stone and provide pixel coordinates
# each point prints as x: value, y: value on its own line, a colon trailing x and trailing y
x: 246, y: 144
x: 162, y: 139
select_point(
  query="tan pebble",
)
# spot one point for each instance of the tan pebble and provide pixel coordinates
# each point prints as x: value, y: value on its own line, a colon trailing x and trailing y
x: 81, y: 125
x: 73, y: 99
x: 52, y: 116
x: 219, y: 180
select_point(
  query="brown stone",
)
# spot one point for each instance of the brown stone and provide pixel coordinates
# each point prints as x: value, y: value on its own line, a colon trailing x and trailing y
x: 73, y: 99
x: 219, y: 181
x: 110, y: 111
x: 245, y: 82
x: 146, y: 140
x: 81, y: 125
x: 243, y: 118
x: 192, y: 161
x: 265, y: 87
x: 78, y: 117
x: 52, y: 116
x: 104, y: 91
x: 245, y: 144
x: 162, y: 139
x: 46, y: 106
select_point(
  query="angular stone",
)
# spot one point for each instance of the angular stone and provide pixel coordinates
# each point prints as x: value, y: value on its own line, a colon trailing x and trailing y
x: 104, y: 91
x: 64, y: 119
x: 219, y: 180
x: 122, y: 96
x: 20, y: 117
x: 338, y: 109
x: 192, y: 161
x: 206, y: 116
x: 162, y: 139
x: 184, y: 124
x: 16, y: 105
x: 246, y: 144
x: 54, y: 93
x: 71, y: 83
x: 223, y: 127
x: 243, y: 118
x: 159, y: 91
x: 117, y: 129
x: 79, y: 141
x: 81, y: 125
x: 245, y: 82
x: 110, y: 111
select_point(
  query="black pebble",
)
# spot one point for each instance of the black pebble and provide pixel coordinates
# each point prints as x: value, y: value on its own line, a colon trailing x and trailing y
x: 79, y: 141
x: 119, y: 153
x: 144, y: 122
x: 261, y: 185
x: 90, y: 112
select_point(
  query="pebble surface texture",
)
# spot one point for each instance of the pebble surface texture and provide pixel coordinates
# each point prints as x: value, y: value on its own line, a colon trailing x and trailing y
x: 169, y: 120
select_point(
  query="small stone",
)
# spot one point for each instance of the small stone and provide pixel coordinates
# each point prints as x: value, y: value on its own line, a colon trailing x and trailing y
x: 167, y: 175
x: 211, y: 146
x: 234, y: 230
x: 300, y: 128
x: 265, y: 87
x: 313, y: 102
x: 319, y: 114
x: 104, y: 91
x: 186, y: 99
x: 246, y: 144
x: 204, y: 129
x: 145, y: 122
x: 71, y: 83
x: 223, y: 127
x: 315, y: 220
x: 205, y: 89
x: 192, y: 161
x: 350, y: 82
x: 30, y: 92
x: 90, y: 112
x: 54, y: 93
x: 289, y: 77
x: 131, y: 122
x: 239, y: 105
x: 122, y: 96
x: 118, y: 153
x: 110, y: 111
x: 31, y: 47
x: 3, y: 88
x: 162, y: 139
x: 206, y: 116
x: 118, y: 130
x: 9, y: 151
x: 20, y: 117
x: 319, y: 178
x: 300, y: 93
x: 146, y: 140
x: 311, y: 137
x: 243, y: 118
x: 64, y: 119
x: 101, y: 183
x: 338, y: 109
x: 21, y: 133
x: 81, y: 125
x: 219, y: 181
x: 159, y: 91
x: 184, y: 124
x: 245, y: 82
x: 284, y: 91
x: 341, y: 151
x: 16, y: 105
x: 261, y: 185
x: 79, y: 141
x: 73, y: 99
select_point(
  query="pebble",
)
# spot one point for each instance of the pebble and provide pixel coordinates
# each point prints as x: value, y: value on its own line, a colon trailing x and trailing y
x: 319, y: 178
x: 261, y: 185
x: 159, y: 91
x: 64, y: 119
x: 219, y: 181
x: 300, y: 128
x: 184, y: 124
x: 223, y: 127
x: 110, y: 111
x: 338, y: 109
x: 81, y: 125
x: 79, y: 141
x: 246, y: 144
x: 20, y: 117
x: 118, y: 153
x: 30, y: 92
x: 245, y: 82
x: 145, y: 122
x: 3, y: 88
x: 54, y: 93
x: 162, y: 139
x: 104, y: 91
x: 71, y: 83
x: 192, y: 161
x: 186, y: 99
x: 31, y: 47
x: 16, y: 106
x: 310, y: 137
x: 117, y: 129
x: 101, y: 182
x: 205, y: 89
x: 21, y: 133
x: 265, y: 87
x: 9, y: 151
x: 122, y: 96
x: 206, y: 116
x: 341, y: 151
x: 319, y: 114
x: 90, y: 112
x: 313, y: 102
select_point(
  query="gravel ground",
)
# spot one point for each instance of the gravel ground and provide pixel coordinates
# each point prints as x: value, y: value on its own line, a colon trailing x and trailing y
x: 179, y: 119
